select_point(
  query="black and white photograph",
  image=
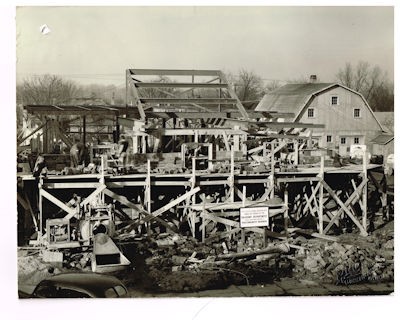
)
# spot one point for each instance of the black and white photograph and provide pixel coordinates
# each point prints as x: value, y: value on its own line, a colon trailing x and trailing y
x: 204, y: 151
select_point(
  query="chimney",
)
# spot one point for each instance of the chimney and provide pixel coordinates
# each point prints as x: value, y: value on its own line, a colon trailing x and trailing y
x: 313, y: 78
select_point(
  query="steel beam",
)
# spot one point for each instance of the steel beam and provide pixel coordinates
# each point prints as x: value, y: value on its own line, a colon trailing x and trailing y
x: 172, y: 72
x: 188, y: 100
x: 179, y: 85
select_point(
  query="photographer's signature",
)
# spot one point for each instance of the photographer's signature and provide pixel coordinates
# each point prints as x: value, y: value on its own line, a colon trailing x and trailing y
x: 354, y: 274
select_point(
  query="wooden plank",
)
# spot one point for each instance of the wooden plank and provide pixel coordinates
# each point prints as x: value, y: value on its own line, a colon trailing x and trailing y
x: 302, y: 179
x: 224, y: 221
x: 316, y: 235
x: 222, y: 234
x: 309, y: 199
x: 123, y: 200
x: 255, y: 150
x: 173, y: 203
x: 31, y: 134
x: 240, y: 255
x: 344, y: 207
x: 22, y: 201
x: 94, y: 194
x: 234, y: 205
x: 269, y: 136
x: 288, y: 125
x: 121, y: 184
x: 70, y: 211
x: 192, y: 132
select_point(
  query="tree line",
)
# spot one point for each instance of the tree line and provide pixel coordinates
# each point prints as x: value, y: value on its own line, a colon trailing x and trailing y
x: 369, y: 80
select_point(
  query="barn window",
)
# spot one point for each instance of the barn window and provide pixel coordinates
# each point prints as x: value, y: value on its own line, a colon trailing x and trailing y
x: 310, y: 113
x: 343, y: 140
x: 328, y: 138
x: 356, y: 140
x: 334, y: 100
x: 356, y: 113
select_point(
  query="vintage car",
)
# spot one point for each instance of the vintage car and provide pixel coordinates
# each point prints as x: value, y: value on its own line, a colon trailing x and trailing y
x: 79, y: 285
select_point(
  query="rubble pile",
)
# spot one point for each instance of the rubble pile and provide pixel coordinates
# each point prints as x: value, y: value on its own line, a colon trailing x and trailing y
x: 348, y: 261
x: 176, y: 263
x: 32, y: 269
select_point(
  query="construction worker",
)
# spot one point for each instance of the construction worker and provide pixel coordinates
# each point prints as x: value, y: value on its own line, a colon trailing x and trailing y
x: 122, y: 150
x: 77, y: 154
x: 40, y: 167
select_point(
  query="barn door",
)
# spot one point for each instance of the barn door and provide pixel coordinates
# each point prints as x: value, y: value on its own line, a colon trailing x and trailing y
x: 343, y: 142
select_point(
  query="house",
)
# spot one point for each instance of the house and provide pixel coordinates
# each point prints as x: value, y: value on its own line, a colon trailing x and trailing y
x: 347, y: 117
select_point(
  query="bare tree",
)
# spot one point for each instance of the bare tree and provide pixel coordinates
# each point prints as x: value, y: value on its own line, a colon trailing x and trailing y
x: 46, y: 89
x: 248, y: 86
x: 371, y: 82
x: 272, y: 85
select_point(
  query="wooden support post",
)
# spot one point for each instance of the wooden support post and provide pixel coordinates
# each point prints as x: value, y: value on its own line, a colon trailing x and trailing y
x: 84, y: 130
x: 286, y: 212
x: 244, y: 145
x: 264, y: 149
x: 148, y: 194
x: 365, y: 192
x: 117, y: 128
x: 236, y: 138
x: 321, y: 197
x: 210, y: 157
x: 226, y: 141
x: 232, y: 177
x: 309, y: 141
x: 296, y: 152
x: 148, y: 186
x: 193, y: 185
x: 272, y: 174
x: 40, y: 205
x: 203, y: 228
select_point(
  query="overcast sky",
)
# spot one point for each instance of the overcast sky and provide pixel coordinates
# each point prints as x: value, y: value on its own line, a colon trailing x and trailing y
x: 97, y: 44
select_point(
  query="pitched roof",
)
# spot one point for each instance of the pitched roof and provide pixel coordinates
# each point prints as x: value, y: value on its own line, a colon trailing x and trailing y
x: 383, y: 139
x: 290, y: 97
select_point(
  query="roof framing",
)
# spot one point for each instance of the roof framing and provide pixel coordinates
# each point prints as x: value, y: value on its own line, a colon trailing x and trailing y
x: 198, y: 81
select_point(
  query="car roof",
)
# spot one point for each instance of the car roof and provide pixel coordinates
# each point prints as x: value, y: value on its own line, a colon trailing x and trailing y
x: 90, y: 282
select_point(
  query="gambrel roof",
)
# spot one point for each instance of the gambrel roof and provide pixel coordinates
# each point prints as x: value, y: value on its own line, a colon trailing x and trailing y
x: 290, y: 97
x: 295, y: 97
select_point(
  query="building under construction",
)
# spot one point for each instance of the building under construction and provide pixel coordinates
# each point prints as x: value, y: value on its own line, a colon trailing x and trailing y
x: 198, y: 164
